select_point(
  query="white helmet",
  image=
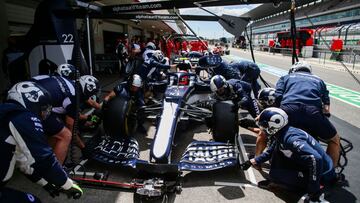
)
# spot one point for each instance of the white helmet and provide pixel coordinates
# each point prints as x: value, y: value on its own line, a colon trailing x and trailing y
x: 150, y: 45
x: 158, y: 55
x: 67, y: 71
x: 31, y: 96
x: 272, y: 120
x: 89, y: 85
x: 217, y: 82
x: 165, y: 61
x: 136, y: 81
x: 301, y: 66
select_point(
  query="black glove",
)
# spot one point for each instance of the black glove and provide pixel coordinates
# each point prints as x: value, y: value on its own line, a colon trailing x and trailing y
x: 74, y: 192
x: 247, y: 123
x: 246, y: 165
x: 316, y: 197
x: 52, y: 190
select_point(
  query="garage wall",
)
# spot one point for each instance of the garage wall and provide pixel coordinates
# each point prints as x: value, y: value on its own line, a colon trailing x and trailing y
x: 98, y: 27
x: 20, y: 18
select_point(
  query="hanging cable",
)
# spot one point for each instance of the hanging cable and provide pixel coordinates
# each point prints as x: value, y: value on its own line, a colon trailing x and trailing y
x: 252, y: 53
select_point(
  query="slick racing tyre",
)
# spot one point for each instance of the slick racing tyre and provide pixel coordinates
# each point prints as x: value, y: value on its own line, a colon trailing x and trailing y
x: 225, y: 119
x: 119, y: 121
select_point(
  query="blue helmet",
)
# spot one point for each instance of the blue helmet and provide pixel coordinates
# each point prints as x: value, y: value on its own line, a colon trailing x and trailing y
x: 272, y: 120
x: 218, y: 82
x: 266, y: 97
x: 31, y: 96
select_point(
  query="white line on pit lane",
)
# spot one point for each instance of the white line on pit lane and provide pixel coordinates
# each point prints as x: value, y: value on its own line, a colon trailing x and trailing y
x: 243, y: 185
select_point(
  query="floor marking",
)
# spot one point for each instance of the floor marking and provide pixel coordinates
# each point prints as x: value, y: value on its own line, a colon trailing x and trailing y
x: 345, y: 95
x: 250, y: 173
x: 243, y: 185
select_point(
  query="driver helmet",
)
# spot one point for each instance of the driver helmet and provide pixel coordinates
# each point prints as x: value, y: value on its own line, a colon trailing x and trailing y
x: 89, y: 85
x: 266, y: 97
x: 300, y: 66
x: 218, y: 85
x: 272, y: 120
x: 31, y: 96
x: 150, y: 45
x: 67, y: 71
x: 184, y: 80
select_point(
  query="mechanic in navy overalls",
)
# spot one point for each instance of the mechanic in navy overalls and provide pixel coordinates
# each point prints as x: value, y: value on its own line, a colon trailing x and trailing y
x: 305, y: 98
x: 249, y: 72
x: 236, y: 90
x: 23, y: 144
x: 149, y: 50
x: 297, y: 160
x: 151, y: 69
x: 131, y: 89
x: 64, y: 109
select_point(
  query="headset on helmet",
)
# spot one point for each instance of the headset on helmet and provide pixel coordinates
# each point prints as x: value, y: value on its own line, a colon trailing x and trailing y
x: 300, y: 66
x: 67, y: 71
x: 266, y: 97
x: 136, y: 81
x: 31, y: 96
x: 150, y: 45
x: 158, y: 55
x: 89, y: 85
x: 217, y: 82
x: 272, y: 120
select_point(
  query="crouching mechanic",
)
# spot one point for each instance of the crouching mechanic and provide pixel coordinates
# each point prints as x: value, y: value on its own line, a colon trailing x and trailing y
x: 249, y: 72
x: 130, y: 89
x: 23, y: 144
x: 220, y: 68
x: 63, y: 101
x: 266, y: 98
x: 236, y: 90
x: 305, y: 98
x: 297, y: 159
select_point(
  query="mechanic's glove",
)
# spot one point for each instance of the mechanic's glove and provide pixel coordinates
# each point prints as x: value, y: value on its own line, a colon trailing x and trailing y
x: 74, y: 192
x: 316, y: 197
x: 246, y: 165
x: 242, y: 103
x: 52, y: 190
x: 247, y: 123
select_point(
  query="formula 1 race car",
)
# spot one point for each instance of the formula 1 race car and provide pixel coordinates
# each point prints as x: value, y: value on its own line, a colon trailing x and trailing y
x: 186, y: 99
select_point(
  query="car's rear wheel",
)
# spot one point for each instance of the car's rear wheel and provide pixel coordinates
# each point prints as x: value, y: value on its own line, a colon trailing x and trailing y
x: 119, y: 120
x: 225, y: 120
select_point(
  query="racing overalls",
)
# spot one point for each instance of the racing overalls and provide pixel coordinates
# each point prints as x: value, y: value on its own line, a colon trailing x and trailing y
x: 240, y: 92
x: 150, y: 70
x: 249, y: 72
x: 22, y: 143
x: 298, y: 161
x: 123, y: 90
x: 227, y: 71
x: 302, y: 95
x: 63, y: 100
x: 147, y: 54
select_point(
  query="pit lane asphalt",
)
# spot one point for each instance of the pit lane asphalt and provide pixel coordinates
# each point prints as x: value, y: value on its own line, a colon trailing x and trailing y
x: 218, y: 186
